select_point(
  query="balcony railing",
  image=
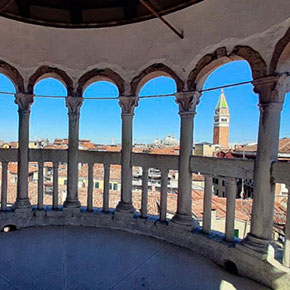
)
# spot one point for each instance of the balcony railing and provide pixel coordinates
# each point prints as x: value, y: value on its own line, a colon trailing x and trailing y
x: 201, y: 236
x: 229, y: 169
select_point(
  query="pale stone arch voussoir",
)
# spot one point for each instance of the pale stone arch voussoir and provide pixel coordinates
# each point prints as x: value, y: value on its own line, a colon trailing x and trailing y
x: 151, y: 72
x: 281, y: 49
x: 13, y: 74
x: 96, y: 75
x: 50, y: 72
x: 207, y: 64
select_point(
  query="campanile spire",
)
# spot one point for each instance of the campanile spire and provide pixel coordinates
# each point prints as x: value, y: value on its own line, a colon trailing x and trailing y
x: 221, y: 122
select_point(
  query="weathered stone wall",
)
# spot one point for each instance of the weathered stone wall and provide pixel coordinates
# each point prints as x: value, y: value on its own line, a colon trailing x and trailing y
x: 232, y: 26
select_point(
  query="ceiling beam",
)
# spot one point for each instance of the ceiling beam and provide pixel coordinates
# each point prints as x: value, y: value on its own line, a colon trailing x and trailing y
x: 5, y: 5
x: 155, y: 13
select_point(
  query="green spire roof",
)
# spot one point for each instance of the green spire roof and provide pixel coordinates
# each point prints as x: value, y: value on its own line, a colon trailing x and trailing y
x: 222, y: 103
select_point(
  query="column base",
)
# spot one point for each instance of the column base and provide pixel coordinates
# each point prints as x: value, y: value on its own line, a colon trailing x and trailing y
x: 125, y: 207
x: 258, y: 247
x: 183, y: 220
x: 72, y: 203
x: 22, y: 204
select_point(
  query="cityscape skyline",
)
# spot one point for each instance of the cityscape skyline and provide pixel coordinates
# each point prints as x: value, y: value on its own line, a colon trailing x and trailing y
x: 154, y: 117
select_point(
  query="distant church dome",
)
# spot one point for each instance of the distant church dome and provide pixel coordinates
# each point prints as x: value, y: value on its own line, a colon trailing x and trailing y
x: 170, y: 141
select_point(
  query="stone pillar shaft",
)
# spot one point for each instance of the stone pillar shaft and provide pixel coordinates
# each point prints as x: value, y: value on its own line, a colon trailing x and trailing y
x: 231, y: 191
x: 271, y: 91
x: 74, y: 105
x: 185, y: 175
x: 128, y: 105
x: 24, y: 102
x: 187, y: 105
x: 207, y: 204
x: 264, y: 188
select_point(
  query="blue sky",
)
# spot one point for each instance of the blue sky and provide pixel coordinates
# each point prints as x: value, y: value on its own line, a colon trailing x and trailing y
x: 101, y: 121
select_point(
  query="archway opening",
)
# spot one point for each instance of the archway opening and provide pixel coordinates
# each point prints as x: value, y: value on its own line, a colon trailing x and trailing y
x: 281, y: 190
x: 226, y: 126
x: 49, y: 130
x: 100, y: 130
x: 156, y: 131
x: 8, y: 132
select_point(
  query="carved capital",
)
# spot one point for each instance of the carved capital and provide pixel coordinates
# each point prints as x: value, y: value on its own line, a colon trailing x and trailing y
x: 23, y: 101
x: 187, y: 102
x: 264, y: 107
x: 128, y: 105
x: 271, y: 89
x: 74, y: 105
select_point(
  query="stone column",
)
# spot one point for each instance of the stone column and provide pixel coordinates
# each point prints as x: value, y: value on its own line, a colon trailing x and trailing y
x: 128, y: 105
x: 187, y: 108
x: 207, y: 204
x: 24, y: 102
x: 271, y: 91
x: 73, y: 104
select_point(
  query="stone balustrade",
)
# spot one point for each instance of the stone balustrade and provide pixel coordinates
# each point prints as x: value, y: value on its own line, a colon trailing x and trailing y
x: 229, y: 169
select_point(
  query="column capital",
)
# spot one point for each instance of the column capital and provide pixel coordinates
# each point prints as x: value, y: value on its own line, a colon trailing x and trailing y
x: 187, y: 102
x: 128, y: 104
x: 231, y: 180
x: 271, y: 89
x: 208, y: 176
x: 74, y: 104
x: 24, y: 101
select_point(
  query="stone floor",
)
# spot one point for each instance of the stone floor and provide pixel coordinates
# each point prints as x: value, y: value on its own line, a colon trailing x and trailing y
x: 88, y: 258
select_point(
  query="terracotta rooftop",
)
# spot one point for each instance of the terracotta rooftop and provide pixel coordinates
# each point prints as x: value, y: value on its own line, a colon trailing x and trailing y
x: 284, y: 146
x: 12, y: 168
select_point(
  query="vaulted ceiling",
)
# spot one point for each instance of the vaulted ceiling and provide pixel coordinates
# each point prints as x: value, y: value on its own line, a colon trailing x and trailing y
x: 87, y: 13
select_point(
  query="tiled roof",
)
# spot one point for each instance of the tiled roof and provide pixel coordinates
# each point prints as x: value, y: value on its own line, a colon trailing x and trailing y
x: 12, y: 168
x: 165, y: 150
x: 88, y: 145
x: 284, y: 146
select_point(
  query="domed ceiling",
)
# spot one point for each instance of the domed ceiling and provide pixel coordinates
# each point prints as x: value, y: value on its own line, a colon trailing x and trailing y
x: 88, y: 13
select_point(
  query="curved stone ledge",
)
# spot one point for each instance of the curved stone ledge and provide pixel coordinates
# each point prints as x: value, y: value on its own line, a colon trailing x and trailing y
x: 268, y: 272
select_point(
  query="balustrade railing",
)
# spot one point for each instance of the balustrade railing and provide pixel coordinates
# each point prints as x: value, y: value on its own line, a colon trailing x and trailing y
x: 4, y: 186
x: 281, y: 174
x: 229, y: 169
x: 164, y: 163
x: 207, y: 203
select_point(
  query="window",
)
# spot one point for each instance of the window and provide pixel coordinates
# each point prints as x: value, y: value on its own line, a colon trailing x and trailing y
x: 224, y: 183
x: 224, y: 120
x: 215, y: 181
x: 115, y: 186
x: 110, y: 186
x: 65, y: 182
x: 217, y: 192
x: 97, y: 185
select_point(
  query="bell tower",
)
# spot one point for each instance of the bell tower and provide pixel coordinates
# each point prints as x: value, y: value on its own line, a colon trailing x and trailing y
x: 221, y: 122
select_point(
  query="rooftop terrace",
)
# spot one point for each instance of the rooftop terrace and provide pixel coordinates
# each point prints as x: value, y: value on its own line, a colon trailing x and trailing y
x: 89, y: 258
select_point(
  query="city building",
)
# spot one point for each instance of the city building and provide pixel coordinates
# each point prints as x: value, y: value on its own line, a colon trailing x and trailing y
x: 206, y: 149
x: 221, y: 122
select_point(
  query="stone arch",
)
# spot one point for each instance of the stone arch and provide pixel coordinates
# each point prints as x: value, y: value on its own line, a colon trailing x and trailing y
x: 98, y: 75
x: 47, y: 71
x: 220, y: 56
x: 154, y: 71
x: 279, y: 49
x: 13, y: 74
